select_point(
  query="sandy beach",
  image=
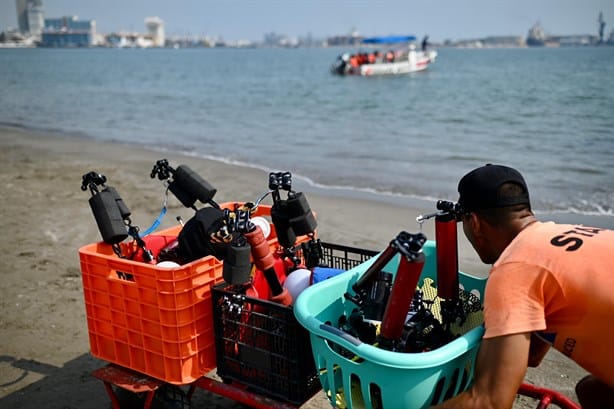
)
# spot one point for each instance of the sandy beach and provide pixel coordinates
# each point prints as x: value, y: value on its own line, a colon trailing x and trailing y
x: 44, y: 346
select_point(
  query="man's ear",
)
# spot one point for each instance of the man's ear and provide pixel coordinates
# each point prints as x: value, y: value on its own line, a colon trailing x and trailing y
x: 475, y: 223
x: 478, y: 227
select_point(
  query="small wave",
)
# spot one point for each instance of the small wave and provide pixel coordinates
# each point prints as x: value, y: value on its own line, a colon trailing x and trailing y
x: 372, y: 193
x: 598, y: 206
x: 597, y: 211
x: 47, y: 130
x: 220, y: 159
x: 575, y: 216
x: 466, y: 158
x: 403, y: 199
x: 344, y: 190
x: 9, y: 124
x: 453, y: 120
x: 580, y: 170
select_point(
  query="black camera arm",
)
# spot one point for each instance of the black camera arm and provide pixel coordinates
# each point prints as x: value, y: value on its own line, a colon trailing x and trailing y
x: 92, y: 181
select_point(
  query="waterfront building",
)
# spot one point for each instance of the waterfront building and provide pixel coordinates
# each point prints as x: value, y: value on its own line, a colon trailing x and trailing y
x: 68, y: 31
x: 353, y: 39
x: 128, y: 40
x: 155, y: 29
x: 30, y: 17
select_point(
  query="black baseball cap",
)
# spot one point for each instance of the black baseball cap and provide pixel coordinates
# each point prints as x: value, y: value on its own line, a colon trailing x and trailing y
x: 479, y: 189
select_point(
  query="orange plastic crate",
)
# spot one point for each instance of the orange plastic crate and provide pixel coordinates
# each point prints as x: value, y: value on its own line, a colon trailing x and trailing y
x: 157, y: 321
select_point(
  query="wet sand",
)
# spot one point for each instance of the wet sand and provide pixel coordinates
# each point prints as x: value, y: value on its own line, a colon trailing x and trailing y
x: 45, y: 217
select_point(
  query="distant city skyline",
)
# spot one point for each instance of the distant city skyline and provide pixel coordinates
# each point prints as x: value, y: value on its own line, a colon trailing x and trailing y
x: 250, y: 20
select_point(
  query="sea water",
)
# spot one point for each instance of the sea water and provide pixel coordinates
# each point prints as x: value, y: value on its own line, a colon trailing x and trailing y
x: 547, y: 112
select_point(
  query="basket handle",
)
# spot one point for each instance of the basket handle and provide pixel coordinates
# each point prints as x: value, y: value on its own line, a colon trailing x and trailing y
x: 341, y: 334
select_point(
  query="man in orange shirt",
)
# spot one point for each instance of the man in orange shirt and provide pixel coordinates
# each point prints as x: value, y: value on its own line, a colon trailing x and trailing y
x: 550, y: 285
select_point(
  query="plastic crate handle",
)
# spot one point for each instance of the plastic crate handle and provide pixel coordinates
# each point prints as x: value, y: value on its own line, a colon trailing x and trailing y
x: 341, y: 334
x: 368, y: 352
x: 335, y: 335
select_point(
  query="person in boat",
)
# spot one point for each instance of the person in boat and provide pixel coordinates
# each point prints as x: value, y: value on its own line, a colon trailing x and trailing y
x: 362, y: 58
x: 425, y: 42
x: 550, y: 285
x: 389, y: 56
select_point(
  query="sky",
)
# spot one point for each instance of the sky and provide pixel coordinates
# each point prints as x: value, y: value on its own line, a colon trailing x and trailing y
x: 233, y: 20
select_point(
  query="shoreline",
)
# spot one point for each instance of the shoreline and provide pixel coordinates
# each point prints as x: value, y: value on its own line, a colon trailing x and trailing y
x: 306, y: 184
x: 45, y: 360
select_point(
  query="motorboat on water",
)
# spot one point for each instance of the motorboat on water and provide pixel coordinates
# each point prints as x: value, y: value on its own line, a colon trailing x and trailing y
x: 391, y: 61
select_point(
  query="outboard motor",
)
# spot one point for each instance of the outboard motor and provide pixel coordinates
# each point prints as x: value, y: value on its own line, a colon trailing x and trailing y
x: 340, y: 65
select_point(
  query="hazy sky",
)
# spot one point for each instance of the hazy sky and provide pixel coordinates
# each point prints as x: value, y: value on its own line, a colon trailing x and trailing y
x: 250, y: 19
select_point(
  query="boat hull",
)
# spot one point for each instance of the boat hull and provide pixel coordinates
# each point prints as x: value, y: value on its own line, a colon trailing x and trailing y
x: 416, y: 61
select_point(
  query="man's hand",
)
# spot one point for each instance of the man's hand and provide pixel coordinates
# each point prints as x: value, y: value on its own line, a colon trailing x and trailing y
x: 500, y: 369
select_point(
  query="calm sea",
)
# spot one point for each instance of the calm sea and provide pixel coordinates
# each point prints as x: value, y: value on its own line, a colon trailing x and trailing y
x: 547, y: 112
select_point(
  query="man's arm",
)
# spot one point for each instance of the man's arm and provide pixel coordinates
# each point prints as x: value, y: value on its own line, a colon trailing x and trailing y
x: 500, y: 369
x: 538, y: 350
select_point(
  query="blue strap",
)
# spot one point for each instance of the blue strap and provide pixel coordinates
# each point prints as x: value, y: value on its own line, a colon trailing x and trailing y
x: 155, y: 224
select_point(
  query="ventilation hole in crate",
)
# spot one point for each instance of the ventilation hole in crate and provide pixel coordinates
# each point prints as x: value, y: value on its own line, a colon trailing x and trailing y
x: 465, y: 379
x: 321, y: 364
x: 356, y: 400
x: 452, y: 386
x: 438, y: 391
x: 376, y: 396
x: 122, y: 275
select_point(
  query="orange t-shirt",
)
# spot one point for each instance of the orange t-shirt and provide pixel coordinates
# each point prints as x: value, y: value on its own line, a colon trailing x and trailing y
x: 557, y: 280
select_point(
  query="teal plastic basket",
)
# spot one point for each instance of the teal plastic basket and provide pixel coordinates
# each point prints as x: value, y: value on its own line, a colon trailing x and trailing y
x: 365, y: 376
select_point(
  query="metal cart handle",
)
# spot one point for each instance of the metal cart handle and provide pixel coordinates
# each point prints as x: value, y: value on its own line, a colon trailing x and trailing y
x: 546, y: 397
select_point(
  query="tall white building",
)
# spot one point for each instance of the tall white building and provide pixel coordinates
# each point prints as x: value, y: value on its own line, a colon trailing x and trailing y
x: 155, y: 29
x: 30, y: 17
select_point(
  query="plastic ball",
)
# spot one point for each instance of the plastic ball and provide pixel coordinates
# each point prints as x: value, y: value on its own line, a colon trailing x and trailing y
x: 297, y: 281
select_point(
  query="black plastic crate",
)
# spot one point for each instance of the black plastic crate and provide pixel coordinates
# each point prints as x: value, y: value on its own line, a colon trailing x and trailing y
x: 261, y: 345
x: 344, y: 257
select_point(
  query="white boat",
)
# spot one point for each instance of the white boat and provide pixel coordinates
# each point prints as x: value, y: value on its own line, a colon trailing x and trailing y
x: 389, y: 62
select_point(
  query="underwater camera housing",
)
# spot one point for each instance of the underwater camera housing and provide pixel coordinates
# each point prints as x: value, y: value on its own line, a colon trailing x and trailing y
x: 195, y: 240
x: 110, y: 211
x: 187, y: 185
x: 292, y: 216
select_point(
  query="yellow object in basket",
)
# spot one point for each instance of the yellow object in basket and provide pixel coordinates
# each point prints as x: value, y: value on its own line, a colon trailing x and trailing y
x: 472, y: 319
